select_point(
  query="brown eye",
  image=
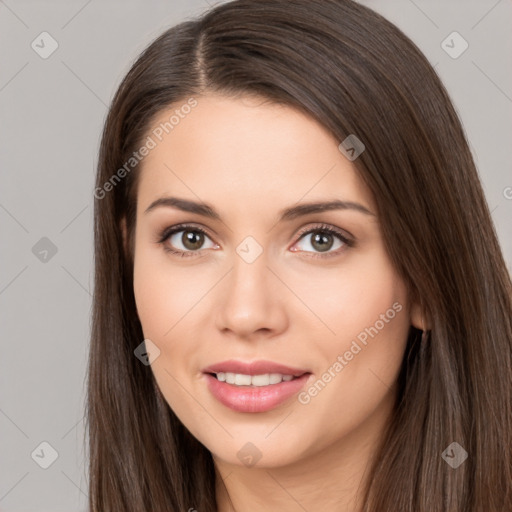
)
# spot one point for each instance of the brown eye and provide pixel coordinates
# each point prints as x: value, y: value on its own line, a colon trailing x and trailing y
x: 192, y: 240
x: 322, y: 239
x: 185, y: 240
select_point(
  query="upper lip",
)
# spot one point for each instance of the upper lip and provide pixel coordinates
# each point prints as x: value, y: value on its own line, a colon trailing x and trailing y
x: 254, y: 368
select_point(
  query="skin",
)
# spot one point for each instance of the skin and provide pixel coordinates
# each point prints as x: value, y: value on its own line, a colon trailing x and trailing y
x: 249, y: 159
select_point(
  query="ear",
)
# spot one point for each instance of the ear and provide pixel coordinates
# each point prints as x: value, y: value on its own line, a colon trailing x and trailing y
x: 418, y: 318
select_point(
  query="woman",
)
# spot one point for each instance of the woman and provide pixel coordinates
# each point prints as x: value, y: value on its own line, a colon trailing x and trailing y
x: 300, y: 301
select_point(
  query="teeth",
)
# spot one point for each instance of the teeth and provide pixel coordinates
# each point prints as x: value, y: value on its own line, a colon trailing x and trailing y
x: 239, y: 379
x: 242, y: 380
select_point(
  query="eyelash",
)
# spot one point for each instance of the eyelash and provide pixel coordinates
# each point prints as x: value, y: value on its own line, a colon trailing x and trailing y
x: 322, y: 228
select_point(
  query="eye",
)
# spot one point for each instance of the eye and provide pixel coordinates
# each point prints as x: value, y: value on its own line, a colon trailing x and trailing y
x: 323, y: 240
x: 184, y: 240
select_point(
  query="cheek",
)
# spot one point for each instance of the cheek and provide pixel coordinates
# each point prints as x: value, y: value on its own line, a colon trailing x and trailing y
x: 362, y: 361
x: 151, y: 297
x: 374, y: 321
x: 350, y: 297
x: 171, y: 301
x: 364, y: 306
x: 164, y: 292
x: 163, y: 298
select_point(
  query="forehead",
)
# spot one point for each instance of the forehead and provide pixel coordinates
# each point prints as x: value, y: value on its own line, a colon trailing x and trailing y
x: 245, y: 152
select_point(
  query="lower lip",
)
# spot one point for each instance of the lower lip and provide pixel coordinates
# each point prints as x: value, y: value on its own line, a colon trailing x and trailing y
x: 254, y: 398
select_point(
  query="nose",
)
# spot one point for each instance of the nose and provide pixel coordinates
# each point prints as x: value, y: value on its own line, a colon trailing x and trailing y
x: 251, y: 300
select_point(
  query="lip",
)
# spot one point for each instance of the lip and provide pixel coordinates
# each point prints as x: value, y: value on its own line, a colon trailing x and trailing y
x: 254, y: 368
x: 254, y: 398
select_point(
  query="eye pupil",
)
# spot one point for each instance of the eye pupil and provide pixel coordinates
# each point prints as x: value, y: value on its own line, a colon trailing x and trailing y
x: 322, y: 241
x: 192, y: 239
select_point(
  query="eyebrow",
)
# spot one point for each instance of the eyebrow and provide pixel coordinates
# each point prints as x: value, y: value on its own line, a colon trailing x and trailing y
x: 287, y: 214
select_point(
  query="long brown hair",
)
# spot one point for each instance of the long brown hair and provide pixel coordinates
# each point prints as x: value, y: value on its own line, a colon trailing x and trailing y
x: 355, y: 73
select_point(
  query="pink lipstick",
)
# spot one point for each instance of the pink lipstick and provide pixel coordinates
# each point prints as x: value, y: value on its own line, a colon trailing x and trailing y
x: 257, y: 386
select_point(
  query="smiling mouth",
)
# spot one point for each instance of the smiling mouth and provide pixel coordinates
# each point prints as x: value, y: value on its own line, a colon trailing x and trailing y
x: 254, y: 393
x: 244, y: 380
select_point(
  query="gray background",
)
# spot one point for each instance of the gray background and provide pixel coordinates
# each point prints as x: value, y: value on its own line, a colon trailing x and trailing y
x: 52, y: 113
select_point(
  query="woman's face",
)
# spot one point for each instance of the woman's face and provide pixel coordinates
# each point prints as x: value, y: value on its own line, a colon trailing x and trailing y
x: 261, y: 284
